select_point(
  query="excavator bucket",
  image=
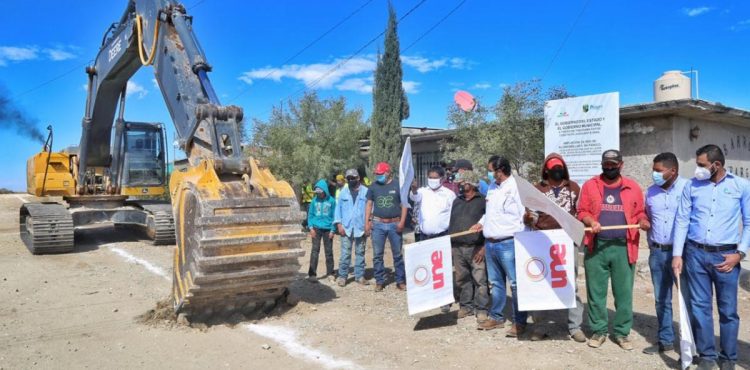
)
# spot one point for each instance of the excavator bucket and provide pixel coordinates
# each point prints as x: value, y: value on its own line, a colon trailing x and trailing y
x: 238, y: 242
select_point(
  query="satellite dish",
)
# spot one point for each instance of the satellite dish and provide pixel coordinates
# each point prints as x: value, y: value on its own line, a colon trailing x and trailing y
x: 465, y: 101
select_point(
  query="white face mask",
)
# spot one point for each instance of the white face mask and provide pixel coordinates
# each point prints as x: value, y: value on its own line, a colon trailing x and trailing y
x: 434, y: 184
x: 702, y: 173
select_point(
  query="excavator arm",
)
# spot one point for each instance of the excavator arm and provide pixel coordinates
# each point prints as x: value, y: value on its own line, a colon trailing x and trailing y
x: 237, y: 227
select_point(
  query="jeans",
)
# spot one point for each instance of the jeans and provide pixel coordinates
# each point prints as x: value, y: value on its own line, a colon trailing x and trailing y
x: 660, y: 263
x: 609, y: 259
x: 702, y: 278
x: 501, y: 266
x: 346, y: 256
x: 380, y: 232
x: 470, y: 279
x: 328, y: 245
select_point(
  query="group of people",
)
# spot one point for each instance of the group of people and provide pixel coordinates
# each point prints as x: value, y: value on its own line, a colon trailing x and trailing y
x: 698, y: 231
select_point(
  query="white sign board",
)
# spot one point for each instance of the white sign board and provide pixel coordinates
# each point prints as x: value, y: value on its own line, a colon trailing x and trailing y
x: 581, y: 129
x: 545, y: 274
x: 429, y: 274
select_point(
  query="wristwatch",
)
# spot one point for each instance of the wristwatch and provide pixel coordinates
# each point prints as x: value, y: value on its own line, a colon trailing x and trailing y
x: 742, y: 255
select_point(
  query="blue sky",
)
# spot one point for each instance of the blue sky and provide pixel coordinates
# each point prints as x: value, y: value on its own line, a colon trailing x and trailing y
x: 484, y: 45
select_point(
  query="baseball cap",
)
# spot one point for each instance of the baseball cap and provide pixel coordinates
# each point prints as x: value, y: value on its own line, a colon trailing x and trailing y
x: 553, y: 162
x: 463, y: 164
x: 382, y: 168
x: 352, y: 173
x: 340, y: 177
x: 470, y: 177
x: 611, y: 156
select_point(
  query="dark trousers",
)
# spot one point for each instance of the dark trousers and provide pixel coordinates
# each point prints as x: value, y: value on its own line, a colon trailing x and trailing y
x: 328, y: 245
x: 470, y: 279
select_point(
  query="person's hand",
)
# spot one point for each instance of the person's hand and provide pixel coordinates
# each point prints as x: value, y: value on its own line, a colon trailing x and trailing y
x: 677, y: 266
x: 479, y: 255
x: 331, y: 234
x: 645, y: 225
x: 342, y: 232
x: 528, y: 218
x: 476, y: 228
x: 414, y: 186
x: 312, y: 232
x: 400, y: 227
x: 730, y: 260
x: 596, y: 227
x: 368, y: 228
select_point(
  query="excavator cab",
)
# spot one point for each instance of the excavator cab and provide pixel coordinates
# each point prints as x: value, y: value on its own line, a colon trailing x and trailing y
x: 144, y: 168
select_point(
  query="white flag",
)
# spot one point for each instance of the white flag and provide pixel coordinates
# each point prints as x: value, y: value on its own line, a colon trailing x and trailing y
x: 406, y: 173
x: 687, y: 344
x: 532, y: 198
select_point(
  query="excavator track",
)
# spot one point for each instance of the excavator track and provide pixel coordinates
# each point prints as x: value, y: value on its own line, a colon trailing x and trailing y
x: 46, y: 228
x: 160, y: 224
x: 236, y: 254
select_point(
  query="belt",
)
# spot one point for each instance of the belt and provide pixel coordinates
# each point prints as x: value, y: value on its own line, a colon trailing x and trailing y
x: 386, y: 220
x: 434, y: 235
x: 714, y: 248
x: 493, y: 240
x: 663, y: 247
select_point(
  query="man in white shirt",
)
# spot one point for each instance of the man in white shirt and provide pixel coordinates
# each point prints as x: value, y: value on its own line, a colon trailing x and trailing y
x: 435, y: 202
x: 503, y: 218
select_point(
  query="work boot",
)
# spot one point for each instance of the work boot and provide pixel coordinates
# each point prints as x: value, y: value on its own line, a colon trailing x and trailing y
x: 624, y: 343
x: 378, y: 287
x: 658, y: 348
x: 515, y: 330
x: 482, y: 317
x: 464, y: 312
x: 341, y: 282
x: 597, y: 340
x: 578, y: 336
x: 363, y: 281
x: 401, y: 286
x: 490, y: 324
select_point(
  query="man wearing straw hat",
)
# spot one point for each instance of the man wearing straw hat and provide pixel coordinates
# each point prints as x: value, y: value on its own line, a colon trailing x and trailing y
x: 611, y: 205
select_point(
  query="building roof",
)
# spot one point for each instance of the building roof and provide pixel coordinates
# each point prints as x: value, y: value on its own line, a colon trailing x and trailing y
x: 698, y: 109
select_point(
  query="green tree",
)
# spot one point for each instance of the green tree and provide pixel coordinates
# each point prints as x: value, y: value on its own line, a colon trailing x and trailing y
x: 312, y: 139
x: 513, y: 128
x: 390, y: 105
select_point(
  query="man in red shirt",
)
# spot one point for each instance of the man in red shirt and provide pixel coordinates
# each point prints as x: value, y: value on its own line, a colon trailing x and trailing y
x: 611, y: 199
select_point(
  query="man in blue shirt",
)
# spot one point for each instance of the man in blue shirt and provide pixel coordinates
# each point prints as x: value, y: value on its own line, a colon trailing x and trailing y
x: 712, y: 206
x: 349, y: 218
x: 662, y: 200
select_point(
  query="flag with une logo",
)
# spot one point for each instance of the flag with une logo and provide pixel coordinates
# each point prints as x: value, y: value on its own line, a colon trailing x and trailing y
x: 429, y: 274
x: 545, y: 274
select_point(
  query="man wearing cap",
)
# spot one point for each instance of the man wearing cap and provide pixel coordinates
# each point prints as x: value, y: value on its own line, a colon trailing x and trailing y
x: 320, y: 222
x: 712, y: 207
x: 468, y: 251
x: 340, y: 184
x: 349, y: 219
x: 385, y: 217
x: 459, y: 167
x: 558, y: 187
x: 608, y: 200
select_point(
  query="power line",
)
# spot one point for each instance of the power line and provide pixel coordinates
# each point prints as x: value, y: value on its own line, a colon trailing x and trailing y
x: 310, y: 44
x: 195, y: 4
x: 434, y: 26
x: 43, y: 84
x: 565, y: 40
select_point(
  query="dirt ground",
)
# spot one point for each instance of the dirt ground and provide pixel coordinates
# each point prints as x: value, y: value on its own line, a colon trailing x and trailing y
x: 81, y: 310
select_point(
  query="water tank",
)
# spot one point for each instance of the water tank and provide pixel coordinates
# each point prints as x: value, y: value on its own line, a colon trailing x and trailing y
x: 672, y: 85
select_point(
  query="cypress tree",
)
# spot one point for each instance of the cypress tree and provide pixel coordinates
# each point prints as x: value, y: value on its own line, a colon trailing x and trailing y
x: 390, y: 106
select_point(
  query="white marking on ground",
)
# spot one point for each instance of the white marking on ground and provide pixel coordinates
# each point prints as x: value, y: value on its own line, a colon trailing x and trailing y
x: 287, y: 338
x: 21, y: 198
x: 138, y: 261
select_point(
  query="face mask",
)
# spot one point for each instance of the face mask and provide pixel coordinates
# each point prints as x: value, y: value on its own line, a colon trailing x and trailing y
x: 381, y: 178
x: 353, y: 183
x: 557, y: 174
x: 658, y: 178
x: 457, y: 177
x: 611, y: 173
x: 490, y: 175
x: 702, y: 173
x: 434, y: 184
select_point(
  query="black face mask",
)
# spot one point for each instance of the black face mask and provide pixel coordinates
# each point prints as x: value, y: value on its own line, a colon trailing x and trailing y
x: 557, y: 174
x: 611, y: 173
x: 353, y: 184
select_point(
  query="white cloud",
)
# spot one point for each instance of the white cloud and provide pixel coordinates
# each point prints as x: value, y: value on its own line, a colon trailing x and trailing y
x: 482, y: 86
x: 694, y: 12
x: 741, y: 25
x: 411, y: 87
x: 17, y: 54
x: 59, y: 54
x: 323, y: 75
x: 422, y: 64
x: 459, y: 63
x: 155, y: 83
x: 134, y: 88
x: 359, y: 85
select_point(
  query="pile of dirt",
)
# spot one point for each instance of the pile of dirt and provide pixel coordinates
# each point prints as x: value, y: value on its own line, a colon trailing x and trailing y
x: 161, y: 316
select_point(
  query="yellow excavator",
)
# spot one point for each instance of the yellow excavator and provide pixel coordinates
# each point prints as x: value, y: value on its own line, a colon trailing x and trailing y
x: 236, y: 227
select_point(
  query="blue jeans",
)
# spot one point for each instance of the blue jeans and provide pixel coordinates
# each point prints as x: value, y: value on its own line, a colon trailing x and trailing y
x: 346, y: 256
x: 380, y: 232
x: 702, y: 277
x: 660, y: 263
x: 501, y: 266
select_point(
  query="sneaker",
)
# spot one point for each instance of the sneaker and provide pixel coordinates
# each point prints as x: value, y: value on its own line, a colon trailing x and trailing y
x: 482, y: 317
x: 312, y: 279
x: 727, y: 365
x: 445, y: 309
x: 597, y: 340
x: 658, y: 348
x: 707, y: 364
x: 464, y: 312
x: 578, y: 336
x: 341, y: 282
x: 515, y: 330
x: 332, y: 278
x: 378, y: 287
x: 401, y: 286
x: 624, y: 343
x: 538, y: 334
x: 363, y: 281
x: 490, y: 324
